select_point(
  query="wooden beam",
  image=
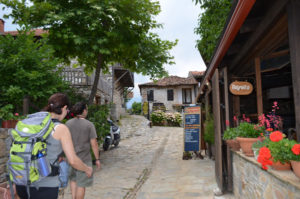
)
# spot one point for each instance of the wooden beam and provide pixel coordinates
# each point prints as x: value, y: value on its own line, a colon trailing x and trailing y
x: 217, y: 124
x: 294, y: 41
x: 275, y: 37
x: 271, y: 16
x: 250, y: 25
x: 258, y: 87
x: 276, y: 54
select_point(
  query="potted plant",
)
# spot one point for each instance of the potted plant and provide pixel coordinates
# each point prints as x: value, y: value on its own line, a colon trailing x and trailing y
x: 248, y: 134
x: 294, y: 156
x: 280, y: 152
x: 209, y: 135
x: 158, y: 118
x: 259, y: 144
x: 229, y: 136
x: 9, y: 120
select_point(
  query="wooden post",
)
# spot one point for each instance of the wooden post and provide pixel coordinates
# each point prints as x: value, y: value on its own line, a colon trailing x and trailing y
x: 226, y: 95
x: 217, y: 124
x: 25, y: 105
x: 294, y: 42
x: 228, y: 153
x: 236, y: 108
x: 258, y: 87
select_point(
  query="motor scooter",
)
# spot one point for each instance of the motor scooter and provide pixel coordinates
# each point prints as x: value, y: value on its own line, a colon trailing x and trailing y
x: 113, y: 138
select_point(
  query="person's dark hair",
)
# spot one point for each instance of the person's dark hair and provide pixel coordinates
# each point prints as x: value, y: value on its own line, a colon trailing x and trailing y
x: 56, y: 102
x: 78, y: 108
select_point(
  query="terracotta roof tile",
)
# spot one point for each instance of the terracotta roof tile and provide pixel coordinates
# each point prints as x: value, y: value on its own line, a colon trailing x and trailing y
x: 171, y: 81
x: 37, y: 32
x: 196, y: 73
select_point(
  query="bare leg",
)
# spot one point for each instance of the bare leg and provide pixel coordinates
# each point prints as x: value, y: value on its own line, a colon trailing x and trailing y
x: 80, y: 192
x: 73, y: 187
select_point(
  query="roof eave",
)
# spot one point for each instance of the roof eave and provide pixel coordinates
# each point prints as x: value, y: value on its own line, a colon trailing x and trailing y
x: 237, y: 19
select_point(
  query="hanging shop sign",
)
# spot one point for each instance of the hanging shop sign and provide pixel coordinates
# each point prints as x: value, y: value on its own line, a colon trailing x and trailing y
x: 241, y: 88
x: 192, y: 133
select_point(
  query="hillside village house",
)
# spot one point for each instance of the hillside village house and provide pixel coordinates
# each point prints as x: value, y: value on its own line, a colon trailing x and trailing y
x: 111, y: 87
x: 171, y: 92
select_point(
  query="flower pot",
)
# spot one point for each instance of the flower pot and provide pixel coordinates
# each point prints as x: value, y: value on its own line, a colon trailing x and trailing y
x: 9, y: 123
x: 246, y: 145
x: 279, y: 166
x: 233, y: 144
x: 5, y: 191
x: 296, y: 168
x: 255, y: 151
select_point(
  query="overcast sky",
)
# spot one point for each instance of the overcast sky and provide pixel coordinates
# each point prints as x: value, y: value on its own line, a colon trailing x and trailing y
x: 179, y: 18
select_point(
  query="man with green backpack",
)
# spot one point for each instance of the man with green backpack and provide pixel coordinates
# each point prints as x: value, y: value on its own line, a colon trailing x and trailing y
x: 37, y: 143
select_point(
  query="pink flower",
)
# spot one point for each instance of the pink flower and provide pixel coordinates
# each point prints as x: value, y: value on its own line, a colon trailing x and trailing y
x: 234, y: 118
x: 16, y: 114
x: 227, y: 122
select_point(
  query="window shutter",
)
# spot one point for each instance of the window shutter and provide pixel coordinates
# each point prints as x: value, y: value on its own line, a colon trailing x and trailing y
x: 150, y: 95
x: 170, y: 95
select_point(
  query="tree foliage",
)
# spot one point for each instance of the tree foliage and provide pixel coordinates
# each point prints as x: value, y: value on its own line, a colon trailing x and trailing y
x: 99, y: 33
x: 210, y: 25
x: 27, y: 68
x: 136, y: 108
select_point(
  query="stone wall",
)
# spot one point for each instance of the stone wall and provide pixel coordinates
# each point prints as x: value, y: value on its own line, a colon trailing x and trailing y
x: 119, y: 104
x: 250, y: 181
x: 5, y: 141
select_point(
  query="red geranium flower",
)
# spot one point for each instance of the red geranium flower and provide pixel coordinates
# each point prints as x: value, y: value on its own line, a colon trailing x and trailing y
x: 269, y: 129
x: 276, y: 136
x: 264, y: 157
x: 296, y: 149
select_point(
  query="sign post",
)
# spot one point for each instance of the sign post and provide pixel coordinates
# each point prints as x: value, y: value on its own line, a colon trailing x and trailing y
x: 192, y: 133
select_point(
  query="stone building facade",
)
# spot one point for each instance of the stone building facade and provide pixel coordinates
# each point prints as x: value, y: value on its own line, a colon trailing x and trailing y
x: 172, y: 92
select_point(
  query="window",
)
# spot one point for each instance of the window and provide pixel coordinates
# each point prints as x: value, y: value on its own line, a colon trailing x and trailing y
x: 186, y: 96
x: 150, y: 95
x: 170, y: 94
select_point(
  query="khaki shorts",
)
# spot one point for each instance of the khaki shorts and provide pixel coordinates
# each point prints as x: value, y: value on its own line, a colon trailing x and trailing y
x: 80, y: 177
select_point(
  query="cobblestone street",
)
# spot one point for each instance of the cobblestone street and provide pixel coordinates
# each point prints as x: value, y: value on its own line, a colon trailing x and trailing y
x: 148, y: 164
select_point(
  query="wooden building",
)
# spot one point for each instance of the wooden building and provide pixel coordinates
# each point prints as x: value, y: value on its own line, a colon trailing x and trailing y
x: 260, y: 44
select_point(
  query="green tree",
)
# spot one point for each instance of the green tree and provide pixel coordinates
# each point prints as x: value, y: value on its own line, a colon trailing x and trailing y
x: 99, y: 33
x: 137, y: 108
x: 210, y: 25
x: 27, y: 69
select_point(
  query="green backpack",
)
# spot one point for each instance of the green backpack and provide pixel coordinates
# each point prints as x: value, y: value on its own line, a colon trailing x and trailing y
x: 28, y: 141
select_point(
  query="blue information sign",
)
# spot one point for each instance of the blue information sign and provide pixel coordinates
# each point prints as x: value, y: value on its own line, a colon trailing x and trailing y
x: 192, y: 128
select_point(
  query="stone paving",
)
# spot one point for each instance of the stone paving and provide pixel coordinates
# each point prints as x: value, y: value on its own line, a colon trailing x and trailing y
x: 148, y: 164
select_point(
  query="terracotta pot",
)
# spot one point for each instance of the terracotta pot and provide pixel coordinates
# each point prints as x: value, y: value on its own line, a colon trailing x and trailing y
x: 246, y: 145
x: 5, y: 192
x: 9, y: 123
x: 296, y: 168
x: 233, y: 144
x: 279, y: 166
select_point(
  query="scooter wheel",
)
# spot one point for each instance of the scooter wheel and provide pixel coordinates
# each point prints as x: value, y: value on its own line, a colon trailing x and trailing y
x: 117, y: 143
x: 105, y: 145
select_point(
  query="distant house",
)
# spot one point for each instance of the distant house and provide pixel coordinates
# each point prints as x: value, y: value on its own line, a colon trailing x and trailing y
x: 198, y: 75
x: 171, y: 92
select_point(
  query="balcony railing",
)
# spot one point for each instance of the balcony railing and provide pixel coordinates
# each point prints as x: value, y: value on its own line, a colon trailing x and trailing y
x: 78, y: 78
